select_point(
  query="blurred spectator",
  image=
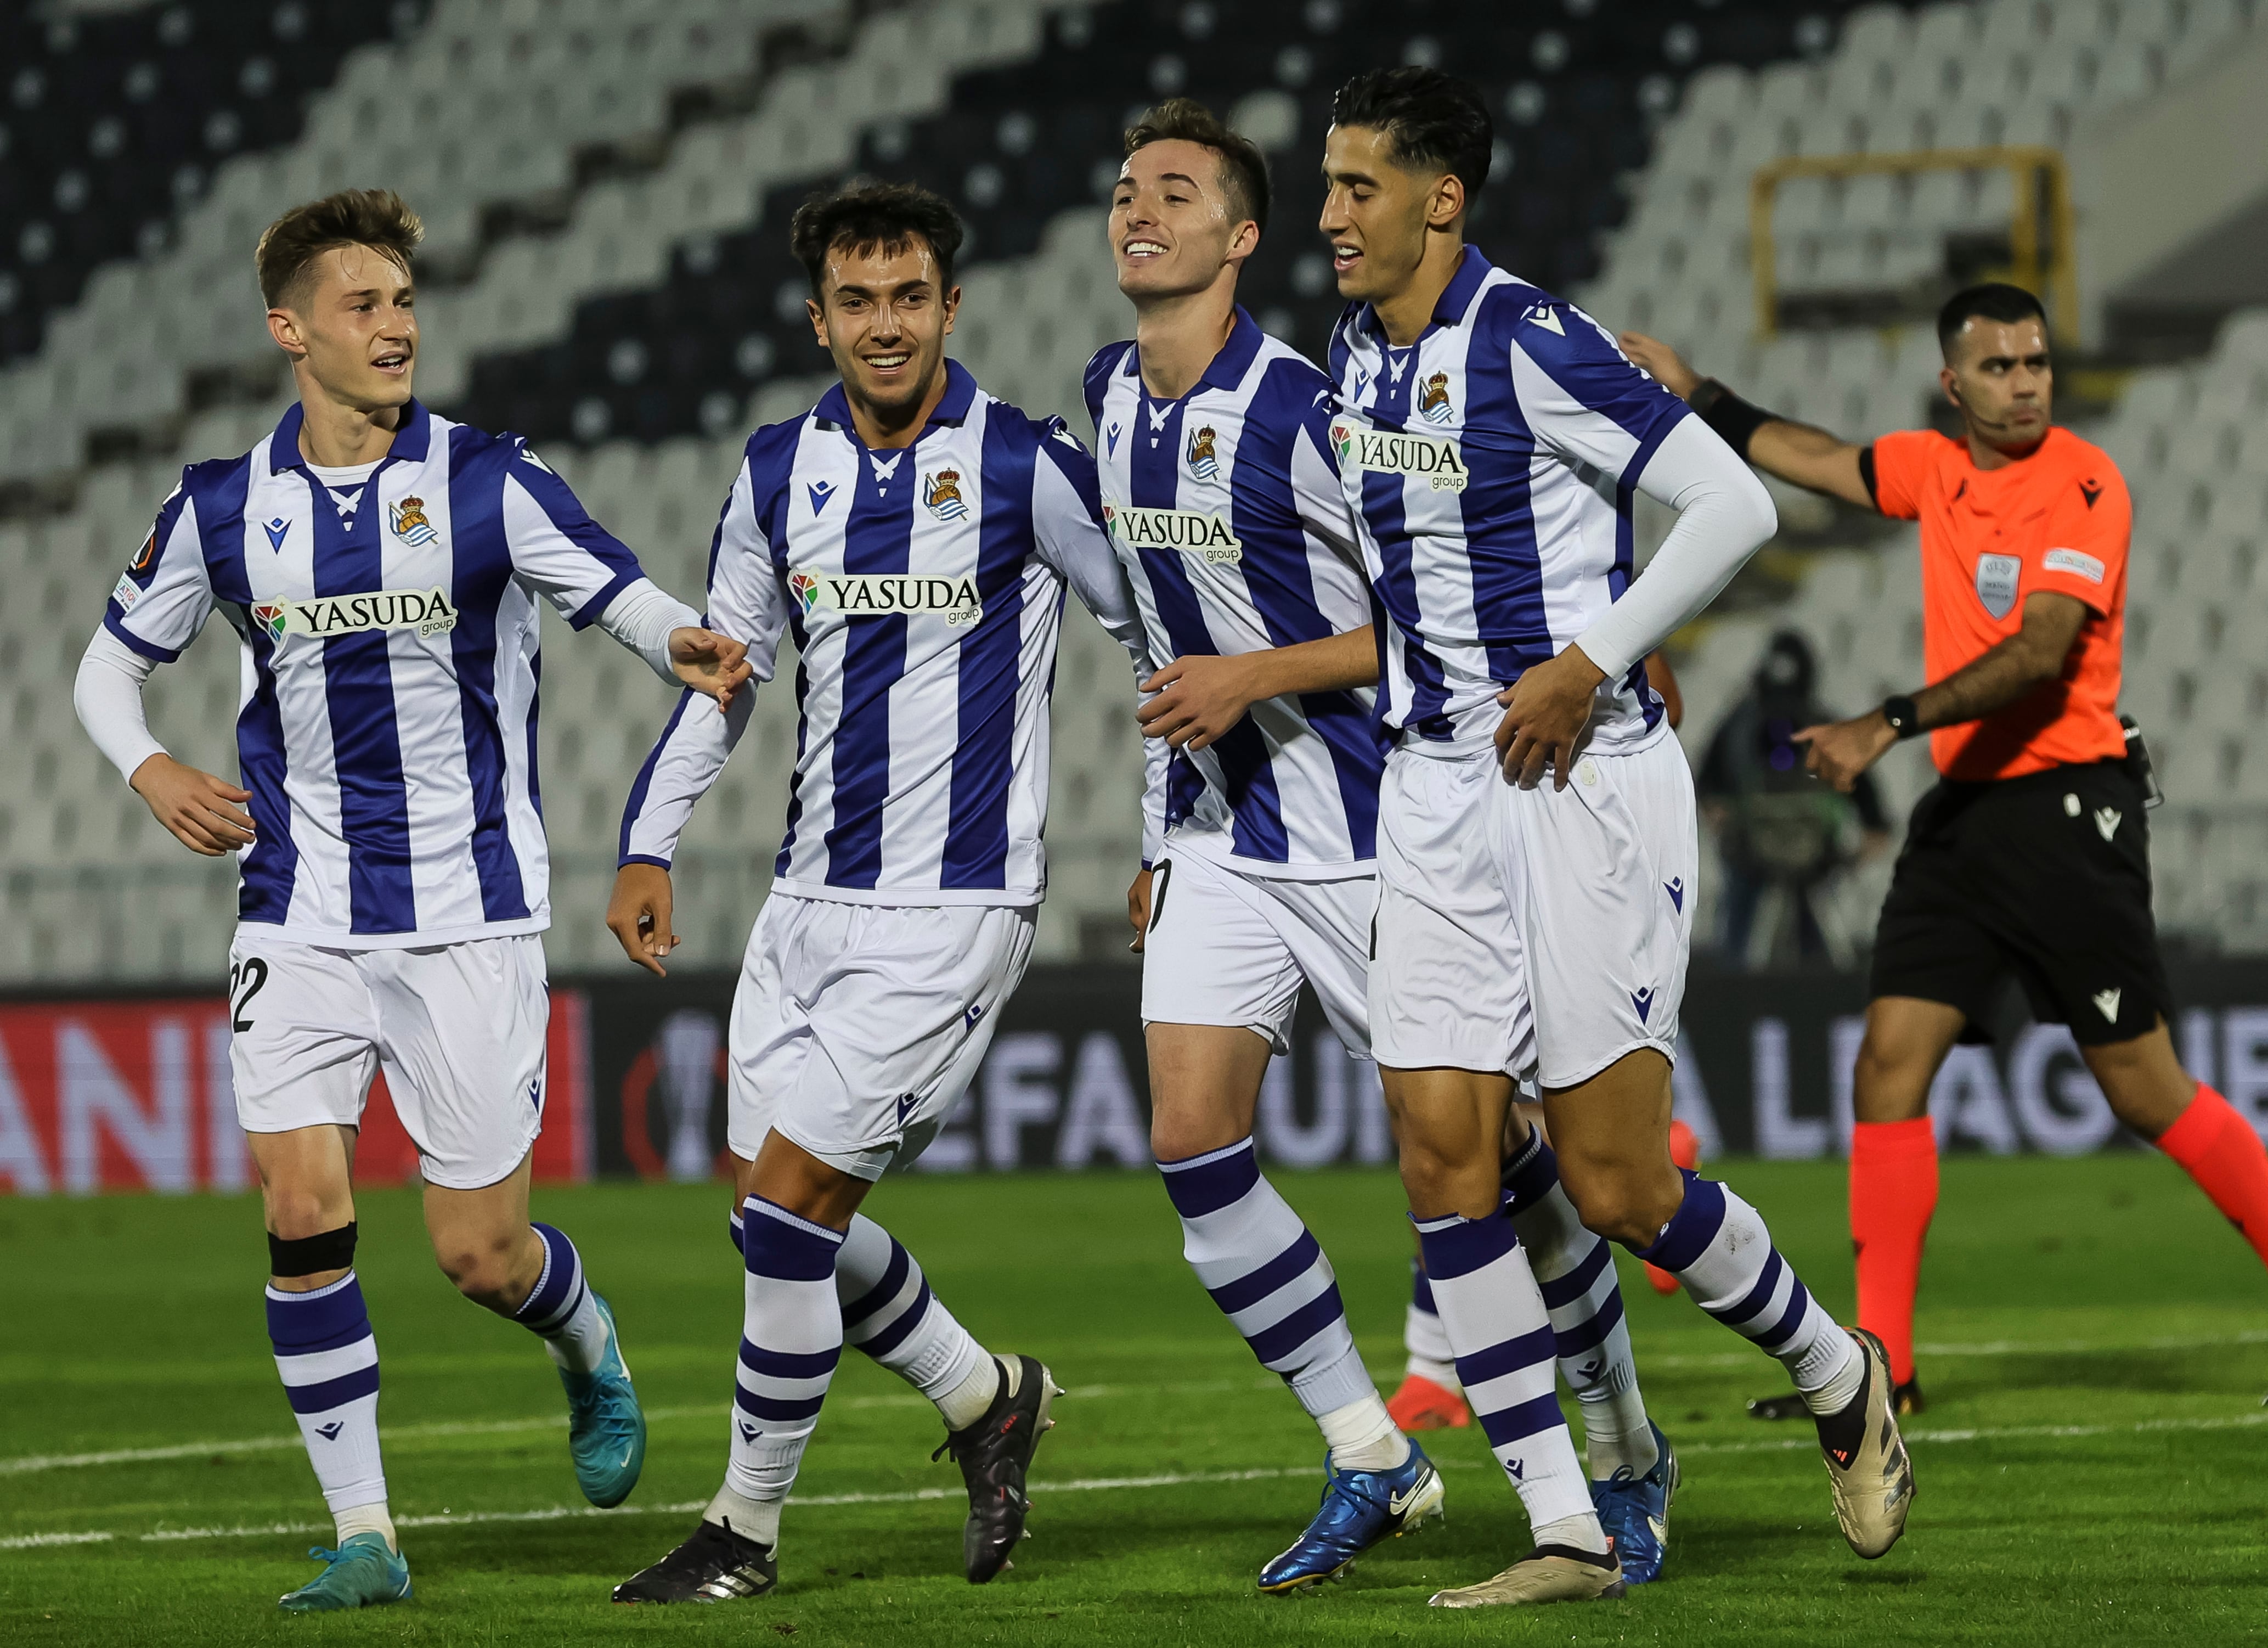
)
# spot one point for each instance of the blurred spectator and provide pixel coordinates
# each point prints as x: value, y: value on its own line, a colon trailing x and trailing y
x: 1783, y: 835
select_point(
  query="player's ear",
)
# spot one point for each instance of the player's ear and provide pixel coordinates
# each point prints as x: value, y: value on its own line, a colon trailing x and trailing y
x: 1447, y: 204
x: 818, y: 322
x: 284, y: 326
x: 952, y: 307
x: 1245, y: 242
x: 1952, y: 384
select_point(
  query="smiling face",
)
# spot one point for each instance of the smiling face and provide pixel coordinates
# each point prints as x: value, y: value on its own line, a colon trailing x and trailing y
x: 1999, y: 375
x: 884, y: 317
x: 1173, y: 230
x: 1379, y: 215
x: 348, y: 324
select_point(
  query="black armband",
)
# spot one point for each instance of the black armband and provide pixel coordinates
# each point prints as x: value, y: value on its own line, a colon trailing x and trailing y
x: 1904, y: 717
x: 312, y: 1255
x: 1728, y: 414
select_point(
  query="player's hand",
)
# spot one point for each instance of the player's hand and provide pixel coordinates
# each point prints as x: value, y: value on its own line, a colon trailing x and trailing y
x: 638, y: 914
x: 1544, y: 711
x: 708, y: 662
x: 1198, y: 698
x: 204, y: 813
x: 1668, y: 367
x: 1841, y: 751
x: 1138, y: 909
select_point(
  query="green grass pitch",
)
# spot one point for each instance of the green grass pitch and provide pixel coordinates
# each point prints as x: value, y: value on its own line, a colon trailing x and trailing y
x: 2090, y: 1469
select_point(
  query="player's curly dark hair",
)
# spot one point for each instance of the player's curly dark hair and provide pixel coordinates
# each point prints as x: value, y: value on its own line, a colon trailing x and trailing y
x: 375, y: 217
x: 1243, y: 168
x: 1433, y: 119
x: 863, y: 215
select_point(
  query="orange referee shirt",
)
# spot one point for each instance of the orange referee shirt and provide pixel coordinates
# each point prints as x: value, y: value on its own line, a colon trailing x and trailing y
x: 2057, y: 520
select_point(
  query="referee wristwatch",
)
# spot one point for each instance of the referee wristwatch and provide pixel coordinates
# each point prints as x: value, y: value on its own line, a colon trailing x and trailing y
x: 1904, y: 718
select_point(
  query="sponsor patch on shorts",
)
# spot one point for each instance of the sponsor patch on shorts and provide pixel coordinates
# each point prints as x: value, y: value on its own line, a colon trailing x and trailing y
x: 2077, y: 563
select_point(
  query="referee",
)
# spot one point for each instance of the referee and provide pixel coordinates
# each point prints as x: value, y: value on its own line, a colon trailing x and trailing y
x: 2030, y: 856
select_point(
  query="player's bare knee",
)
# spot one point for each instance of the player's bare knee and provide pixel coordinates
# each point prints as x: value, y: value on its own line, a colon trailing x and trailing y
x: 1617, y: 1201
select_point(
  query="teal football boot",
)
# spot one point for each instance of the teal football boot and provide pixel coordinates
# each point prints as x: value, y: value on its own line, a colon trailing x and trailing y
x: 363, y: 1572
x: 606, y: 1429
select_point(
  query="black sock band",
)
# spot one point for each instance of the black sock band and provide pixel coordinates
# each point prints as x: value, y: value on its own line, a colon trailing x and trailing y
x: 312, y: 1255
x: 1729, y: 415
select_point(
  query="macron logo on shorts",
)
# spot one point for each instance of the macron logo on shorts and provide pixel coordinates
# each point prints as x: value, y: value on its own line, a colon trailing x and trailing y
x: 1643, y: 1001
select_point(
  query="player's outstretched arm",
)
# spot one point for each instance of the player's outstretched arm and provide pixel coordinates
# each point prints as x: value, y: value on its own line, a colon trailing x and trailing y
x: 638, y: 915
x: 1795, y: 452
x: 1840, y: 751
x: 1197, y: 698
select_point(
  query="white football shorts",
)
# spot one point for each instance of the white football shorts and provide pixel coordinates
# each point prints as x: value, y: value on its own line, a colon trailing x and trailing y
x: 460, y: 1030
x: 1542, y: 933
x: 1227, y: 947
x: 857, y: 1027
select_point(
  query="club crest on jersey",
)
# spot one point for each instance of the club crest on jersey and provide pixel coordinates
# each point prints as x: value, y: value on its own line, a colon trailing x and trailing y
x: 1997, y: 577
x: 1433, y: 404
x: 888, y: 595
x: 1207, y: 537
x: 408, y: 520
x: 941, y: 492
x: 1431, y: 458
x: 1203, y: 463
x: 427, y: 611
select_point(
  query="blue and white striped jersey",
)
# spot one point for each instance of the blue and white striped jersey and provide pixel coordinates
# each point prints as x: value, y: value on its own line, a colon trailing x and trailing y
x: 1493, y: 463
x: 925, y: 588
x: 1227, y: 510
x: 389, y: 628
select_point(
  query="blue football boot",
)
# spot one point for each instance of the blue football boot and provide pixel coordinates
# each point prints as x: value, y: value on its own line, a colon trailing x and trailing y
x: 1635, y: 1511
x: 362, y: 1573
x: 1360, y: 1509
x: 605, y: 1430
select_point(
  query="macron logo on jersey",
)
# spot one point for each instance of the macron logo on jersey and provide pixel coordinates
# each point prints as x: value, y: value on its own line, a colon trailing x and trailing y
x: 1205, y: 536
x: 427, y: 611
x: 888, y: 595
x: 1432, y: 458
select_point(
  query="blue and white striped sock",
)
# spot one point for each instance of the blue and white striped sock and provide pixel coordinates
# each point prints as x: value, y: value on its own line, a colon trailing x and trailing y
x: 1718, y: 1246
x: 1502, y: 1336
x: 890, y: 1313
x: 560, y: 1308
x: 1266, y: 1272
x: 1574, y: 1269
x: 1425, y: 1342
x: 790, y: 1339
x: 327, y: 1358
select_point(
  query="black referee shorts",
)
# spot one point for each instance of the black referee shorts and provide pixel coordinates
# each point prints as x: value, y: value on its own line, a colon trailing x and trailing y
x: 2045, y: 877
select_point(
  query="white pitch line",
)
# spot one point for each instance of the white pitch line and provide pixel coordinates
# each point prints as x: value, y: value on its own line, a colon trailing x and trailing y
x: 1090, y: 1484
x: 26, y: 1464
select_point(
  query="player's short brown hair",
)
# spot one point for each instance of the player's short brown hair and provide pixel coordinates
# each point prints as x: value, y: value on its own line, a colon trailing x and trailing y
x: 1243, y: 169
x: 375, y: 217
x: 863, y: 215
